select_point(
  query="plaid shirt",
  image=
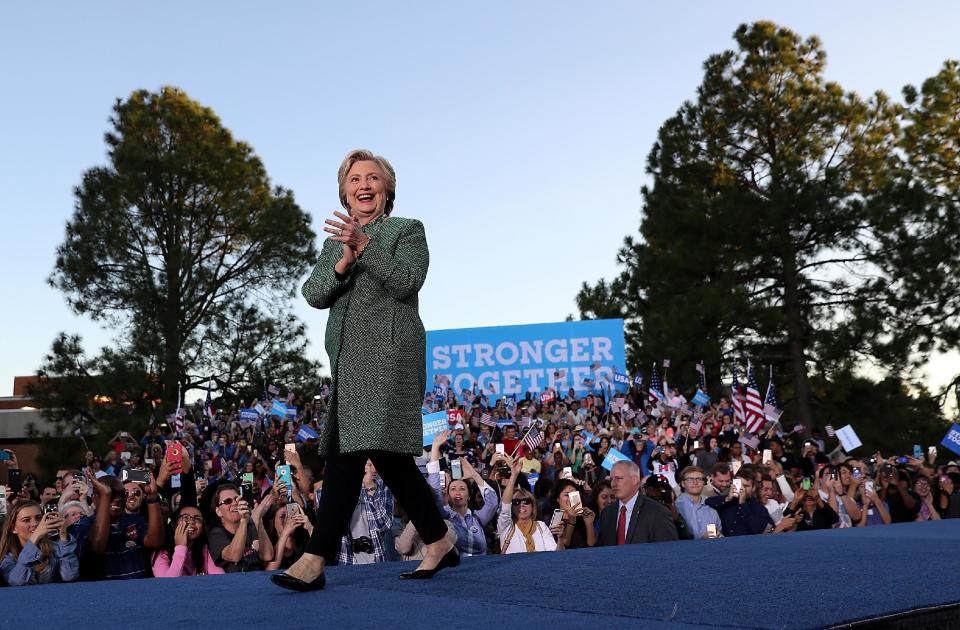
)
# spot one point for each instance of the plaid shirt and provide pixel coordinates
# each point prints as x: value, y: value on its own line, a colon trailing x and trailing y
x: 471, y: 540
x: 378, y: 518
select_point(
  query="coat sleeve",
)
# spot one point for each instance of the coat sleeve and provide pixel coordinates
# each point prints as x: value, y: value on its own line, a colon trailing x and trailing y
x: 17, y: 572
x: 324, y: 286
x: 67, y: 557
x: 664, y: 529
x: 403, y: 273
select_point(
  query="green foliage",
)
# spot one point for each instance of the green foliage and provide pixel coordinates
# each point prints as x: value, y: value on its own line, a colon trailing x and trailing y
x: 762, y: 236
x: 888, y: 416
x: 182, y: 243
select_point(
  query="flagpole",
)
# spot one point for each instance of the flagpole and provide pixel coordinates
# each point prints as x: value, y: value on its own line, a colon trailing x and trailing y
x: 515, y: 448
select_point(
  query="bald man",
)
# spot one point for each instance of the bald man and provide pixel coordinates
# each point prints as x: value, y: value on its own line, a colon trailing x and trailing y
x: 633, y: 518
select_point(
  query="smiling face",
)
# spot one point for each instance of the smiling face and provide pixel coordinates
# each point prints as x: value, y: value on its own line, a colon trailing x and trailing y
x: 194, y: 520
x: 226, y: 506
x: 73, y: 514
x: 365, y: 191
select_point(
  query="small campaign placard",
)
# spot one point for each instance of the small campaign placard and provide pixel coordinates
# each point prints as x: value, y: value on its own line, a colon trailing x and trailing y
x: 613, y: 456
x: 848, y: 438
x: 952, y: 439
x: 434, y: 423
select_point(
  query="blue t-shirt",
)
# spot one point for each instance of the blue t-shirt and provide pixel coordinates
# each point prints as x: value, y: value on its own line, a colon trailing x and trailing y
x: 124, y: 559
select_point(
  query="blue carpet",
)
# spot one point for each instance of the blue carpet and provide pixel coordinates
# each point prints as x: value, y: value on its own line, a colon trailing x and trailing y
x: 799, y: 580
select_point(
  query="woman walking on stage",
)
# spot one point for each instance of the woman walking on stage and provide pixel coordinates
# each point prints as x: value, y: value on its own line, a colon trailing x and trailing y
x: 370, y: 271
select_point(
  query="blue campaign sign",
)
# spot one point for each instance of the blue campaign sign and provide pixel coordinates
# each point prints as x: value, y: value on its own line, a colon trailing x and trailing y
x: 613, y: 456
x: 434, y: 423
x: 700, y: 399
x: 952, y: 439
x: 621, y: 382
x: 291, y: 413
x: 306, y: 433
x: 278, y: 408
x: 518, y: 359
x: 249, y: 414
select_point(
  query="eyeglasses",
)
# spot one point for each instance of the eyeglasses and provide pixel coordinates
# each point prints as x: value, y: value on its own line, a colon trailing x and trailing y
x: 187, y: 518
x: 133, y: 493
x: 697, y: 479
x: 228, y: 501
x: 519, y: 502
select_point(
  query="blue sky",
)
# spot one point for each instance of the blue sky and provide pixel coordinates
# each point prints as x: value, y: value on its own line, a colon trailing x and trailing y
x: 519, y: 131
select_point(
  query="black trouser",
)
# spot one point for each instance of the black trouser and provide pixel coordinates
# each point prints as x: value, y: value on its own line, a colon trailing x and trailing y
x: 342, y: 479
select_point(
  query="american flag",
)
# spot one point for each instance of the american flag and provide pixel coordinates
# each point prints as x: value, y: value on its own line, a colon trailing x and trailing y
x: 533, y: 439
x: 770, y: 408
x: 273, y: 390
x: 656, y: 387
x: 830, y: 430
x: 753, y: 408
x: 208, y: 407
x: 701, y: 377
x: 487, y: 420
x: 736, y: 395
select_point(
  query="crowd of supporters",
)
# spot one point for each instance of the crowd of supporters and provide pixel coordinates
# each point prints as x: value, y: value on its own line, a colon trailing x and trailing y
x: 217, y: 494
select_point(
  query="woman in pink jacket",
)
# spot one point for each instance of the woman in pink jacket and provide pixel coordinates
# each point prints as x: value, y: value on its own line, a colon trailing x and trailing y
x: 186, y: 550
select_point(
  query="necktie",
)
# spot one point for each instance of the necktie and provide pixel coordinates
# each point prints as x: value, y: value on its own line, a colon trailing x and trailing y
x: 622, y: 526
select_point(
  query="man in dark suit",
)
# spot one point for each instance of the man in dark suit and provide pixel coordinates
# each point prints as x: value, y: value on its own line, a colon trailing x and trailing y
x: 633, y: 518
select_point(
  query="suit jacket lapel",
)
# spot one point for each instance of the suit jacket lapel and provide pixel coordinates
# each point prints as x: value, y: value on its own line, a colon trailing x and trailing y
x: 635, y: 516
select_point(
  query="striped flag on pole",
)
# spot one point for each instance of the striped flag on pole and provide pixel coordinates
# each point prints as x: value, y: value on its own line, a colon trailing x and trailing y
x: 487, y: 420
x: 736, y: 397
x: 533, y: 439
x: 656, y: 387
x: 770, y: 409
x: 753, y: 407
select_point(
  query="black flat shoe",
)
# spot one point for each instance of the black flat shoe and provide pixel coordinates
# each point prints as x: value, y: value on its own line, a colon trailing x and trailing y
x: 295, y: 584
x: 448, y: 561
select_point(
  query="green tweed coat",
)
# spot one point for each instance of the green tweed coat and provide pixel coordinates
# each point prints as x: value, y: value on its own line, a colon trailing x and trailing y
x: 375, y: 339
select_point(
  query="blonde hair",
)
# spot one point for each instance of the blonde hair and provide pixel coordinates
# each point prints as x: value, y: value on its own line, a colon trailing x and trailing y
x: 10, y: 542
x: 362, y: 155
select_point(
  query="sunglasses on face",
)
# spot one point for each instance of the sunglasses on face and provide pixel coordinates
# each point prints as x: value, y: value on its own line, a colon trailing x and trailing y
x: 519, y: 502
x: 133, y: 493
x: 229, y: 501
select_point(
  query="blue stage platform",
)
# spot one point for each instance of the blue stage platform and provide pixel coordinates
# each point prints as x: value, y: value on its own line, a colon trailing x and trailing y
x: 800, y: 580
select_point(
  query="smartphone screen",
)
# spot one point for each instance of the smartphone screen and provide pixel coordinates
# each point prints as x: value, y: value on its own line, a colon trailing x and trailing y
x: 736, y: 486
x: 567, y: 472
x: 557, y: 517
x: 805, y: 484
x: 456, y: 469
x: 917, y: 451
x: 4, y: 455
x: 574, y: 499
x: 500, y: 448
x: 290, y: 448
x: 767, y: 456
x: 283, y: 474
x: 711, y: 530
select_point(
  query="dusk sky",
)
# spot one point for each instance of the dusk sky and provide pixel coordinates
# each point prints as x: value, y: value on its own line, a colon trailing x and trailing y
x: 519, y: 131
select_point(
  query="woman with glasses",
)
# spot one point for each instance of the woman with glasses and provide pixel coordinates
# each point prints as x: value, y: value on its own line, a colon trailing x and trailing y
x: 239, y: 541
x: 185, y: 551
x: 517, y: 526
